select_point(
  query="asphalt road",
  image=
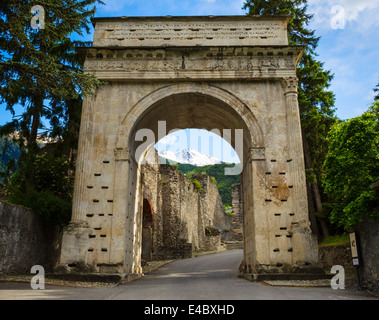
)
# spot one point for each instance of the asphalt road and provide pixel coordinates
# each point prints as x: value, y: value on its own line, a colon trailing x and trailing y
x: 210, y: 277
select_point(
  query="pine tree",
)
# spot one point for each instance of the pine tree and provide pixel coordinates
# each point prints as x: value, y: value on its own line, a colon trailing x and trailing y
x: 42, y: 65
x: 316, y: 102
x: 41, y: 70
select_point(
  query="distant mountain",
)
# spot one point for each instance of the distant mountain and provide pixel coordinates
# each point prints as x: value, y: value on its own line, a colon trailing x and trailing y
x: 190, y: 156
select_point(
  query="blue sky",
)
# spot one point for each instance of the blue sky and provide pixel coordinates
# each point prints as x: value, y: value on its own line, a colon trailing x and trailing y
x: 349, y: 44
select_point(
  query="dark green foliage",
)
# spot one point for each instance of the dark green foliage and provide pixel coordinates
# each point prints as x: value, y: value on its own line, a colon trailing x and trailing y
x: 351, y: 167
x: 39, y: 66
x: 315, y: 101
x: 49, y: 194
x: 299, y: 19
x: 376, y: 90
x: 54, y: 209
x: 42, y: 71
x: 217, y: 171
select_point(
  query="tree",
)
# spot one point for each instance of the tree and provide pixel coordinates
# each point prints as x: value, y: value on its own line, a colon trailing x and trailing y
x: 51, y: 193
x: 376, y: 90
x: 38, y: 66
x: 351, y: 167
x: 41, y: 70
x: 316, y: 102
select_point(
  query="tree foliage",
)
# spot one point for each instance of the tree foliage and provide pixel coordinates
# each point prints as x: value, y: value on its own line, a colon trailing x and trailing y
x: 40, y: 69
x: 351, y: 167
x: 50, y: 195
x: 376, y: 90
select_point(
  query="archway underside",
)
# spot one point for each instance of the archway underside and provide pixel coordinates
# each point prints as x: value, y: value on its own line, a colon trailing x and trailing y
x: 188, y: 110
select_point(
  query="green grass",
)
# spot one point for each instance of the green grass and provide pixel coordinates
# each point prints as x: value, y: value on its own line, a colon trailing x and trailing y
x: 336, y: 240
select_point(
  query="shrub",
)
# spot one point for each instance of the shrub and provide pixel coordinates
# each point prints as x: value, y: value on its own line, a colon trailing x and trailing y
x: 43, y: 186
x: 211, y: 232
x: 197, y: 185
x: 228, y: 210
x: 351, y: 167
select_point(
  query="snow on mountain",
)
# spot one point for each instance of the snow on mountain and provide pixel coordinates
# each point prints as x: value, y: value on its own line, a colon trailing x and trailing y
x: 190, y: 156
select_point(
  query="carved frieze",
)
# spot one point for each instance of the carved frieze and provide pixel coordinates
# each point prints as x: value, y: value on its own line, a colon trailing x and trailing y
x: 250, y: 62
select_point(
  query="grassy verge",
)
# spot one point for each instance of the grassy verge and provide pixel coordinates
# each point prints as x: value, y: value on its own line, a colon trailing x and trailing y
x: 335, y: 241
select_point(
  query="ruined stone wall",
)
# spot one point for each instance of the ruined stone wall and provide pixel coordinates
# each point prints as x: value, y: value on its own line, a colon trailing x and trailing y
x: 237, y: 204
x: 237, y: 216
x: 182, y: 212
x: 212, y: 206
x: 179, y: 210
x: 369, y: 246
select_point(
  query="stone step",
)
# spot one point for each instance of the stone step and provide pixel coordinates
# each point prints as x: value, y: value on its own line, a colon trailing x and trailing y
x: 286, y: 277
x: 232, y: 245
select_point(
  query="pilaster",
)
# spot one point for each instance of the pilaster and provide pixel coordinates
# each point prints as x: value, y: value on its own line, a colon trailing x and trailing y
x: 304, y: 243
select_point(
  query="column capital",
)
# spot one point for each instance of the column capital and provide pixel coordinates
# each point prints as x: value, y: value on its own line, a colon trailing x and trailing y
x: 290, y: 85
x: 257, y: 154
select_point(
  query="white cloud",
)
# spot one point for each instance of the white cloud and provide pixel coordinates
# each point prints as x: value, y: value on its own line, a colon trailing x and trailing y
x: 362, y: 14
x: 169, y: 140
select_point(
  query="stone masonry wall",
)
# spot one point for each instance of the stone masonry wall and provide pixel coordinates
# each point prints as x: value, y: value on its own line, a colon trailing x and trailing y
x: 368, y: 234
x: 237, y: 222
x: 26, y: 240
x: 181, y: 212
x: 212, y: 205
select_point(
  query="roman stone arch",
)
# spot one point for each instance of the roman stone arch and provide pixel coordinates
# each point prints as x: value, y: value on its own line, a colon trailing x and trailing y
x: 233, y: 72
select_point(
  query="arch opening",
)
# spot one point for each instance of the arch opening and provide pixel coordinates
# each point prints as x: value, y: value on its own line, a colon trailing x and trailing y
x: 180, y: 111
x: 189, y: 145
